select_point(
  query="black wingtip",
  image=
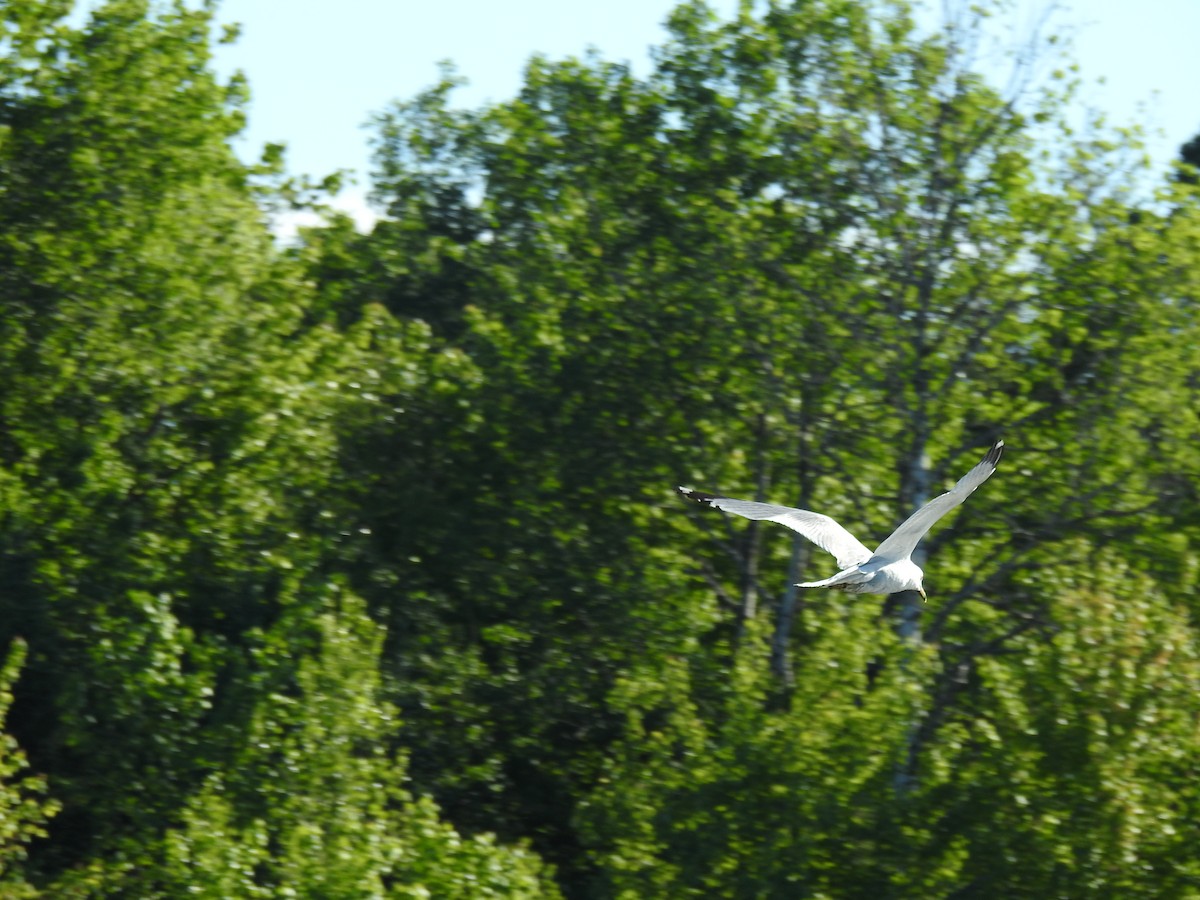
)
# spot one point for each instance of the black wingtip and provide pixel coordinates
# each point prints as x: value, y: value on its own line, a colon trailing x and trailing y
x: 698, y: 496
x: 995, y: 453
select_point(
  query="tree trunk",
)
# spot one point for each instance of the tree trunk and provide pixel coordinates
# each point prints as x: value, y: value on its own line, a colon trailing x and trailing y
x: 910, y: 604
x: 780, y: 658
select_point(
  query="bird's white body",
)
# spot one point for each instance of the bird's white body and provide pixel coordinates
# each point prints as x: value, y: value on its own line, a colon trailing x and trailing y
x: 875, y: 577
x: 890, y: 569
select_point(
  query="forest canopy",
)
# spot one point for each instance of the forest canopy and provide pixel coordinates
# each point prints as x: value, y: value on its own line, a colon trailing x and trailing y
x: 352, y: 566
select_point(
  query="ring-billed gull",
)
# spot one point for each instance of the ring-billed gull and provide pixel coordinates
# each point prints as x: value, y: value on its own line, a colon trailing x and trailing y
x: 890, y: 568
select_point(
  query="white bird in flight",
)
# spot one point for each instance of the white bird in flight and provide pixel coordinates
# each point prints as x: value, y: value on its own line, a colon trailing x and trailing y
x: 890, y: 568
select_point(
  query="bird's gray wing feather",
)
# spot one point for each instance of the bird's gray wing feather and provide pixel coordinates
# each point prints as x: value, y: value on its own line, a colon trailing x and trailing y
x: 901, y: 543
x: 821, y: 530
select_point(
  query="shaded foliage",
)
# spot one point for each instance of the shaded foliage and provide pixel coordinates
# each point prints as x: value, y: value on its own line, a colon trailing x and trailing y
x: 171, y: 517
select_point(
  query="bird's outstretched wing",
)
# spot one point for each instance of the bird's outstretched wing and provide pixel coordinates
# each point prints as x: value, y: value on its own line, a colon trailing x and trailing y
x: 821, y: 530
x: 902, y: 541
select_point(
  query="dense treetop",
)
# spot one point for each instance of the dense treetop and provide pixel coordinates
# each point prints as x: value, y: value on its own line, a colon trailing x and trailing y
x: 352, y: 567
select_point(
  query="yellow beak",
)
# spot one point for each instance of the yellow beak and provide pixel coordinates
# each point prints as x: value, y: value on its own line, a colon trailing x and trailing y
x: 922, y: 592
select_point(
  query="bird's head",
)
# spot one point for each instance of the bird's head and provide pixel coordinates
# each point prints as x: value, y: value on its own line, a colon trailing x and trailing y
x: 915, y: 576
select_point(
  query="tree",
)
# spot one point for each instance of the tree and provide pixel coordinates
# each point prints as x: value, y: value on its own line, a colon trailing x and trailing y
x: 24, y: 810
x: 314, y: 804
x: 1189, y: 153
x: 144, y: 375
x: 172, y: 510
x: 812, y: 249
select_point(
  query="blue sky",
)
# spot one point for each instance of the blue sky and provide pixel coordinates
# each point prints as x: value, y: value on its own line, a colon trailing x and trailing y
x: 319, y: 69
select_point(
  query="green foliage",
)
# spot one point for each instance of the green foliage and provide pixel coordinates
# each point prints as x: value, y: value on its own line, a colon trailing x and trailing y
x: 766, y: 800
x: 1068, y: 771
x: 351, y: 569
x: 24, y: 810
x: 1073, y: 774
x: 313, y: 805
x: 171, y: 497
x: 812, y: 249
x: 150, y: 371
